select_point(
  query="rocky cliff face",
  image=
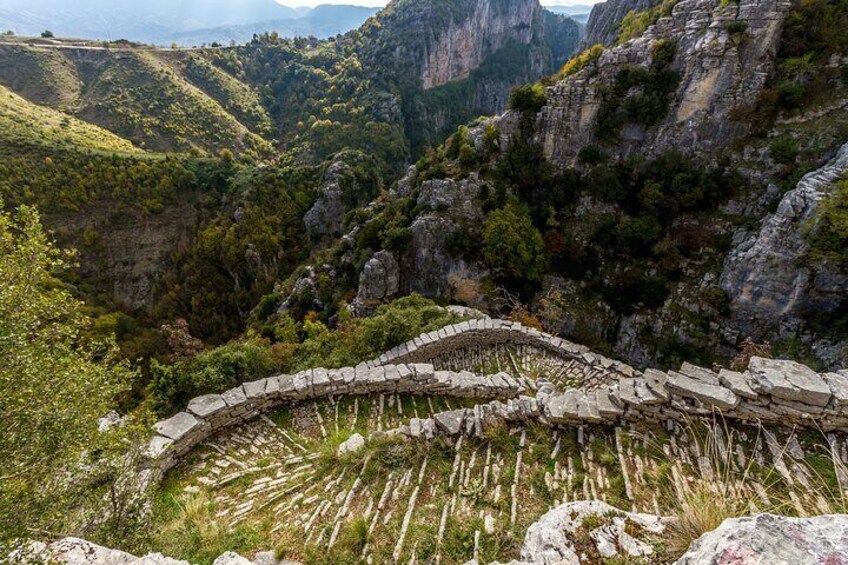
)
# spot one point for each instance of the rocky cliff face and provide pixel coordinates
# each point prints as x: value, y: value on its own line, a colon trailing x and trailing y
x: 719, y: 70
x: 602, y: 26
x: 772, y: 287
x: 465, y: 43
x: 131, y: 250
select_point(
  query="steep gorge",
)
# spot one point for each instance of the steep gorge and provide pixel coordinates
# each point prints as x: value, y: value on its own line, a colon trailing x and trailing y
x: 655, y: 281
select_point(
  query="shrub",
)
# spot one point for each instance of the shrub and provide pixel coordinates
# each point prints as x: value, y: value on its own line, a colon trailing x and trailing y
x: 634, y: 24
x: 830, y: 234
x: 491, y: 139
x: 213, y: 371
x: 529, y: 98
x: 736, y: 27
x: 638, y: 95
x: 784, y: 150
x: 581, y: 61
x: 512, y: 246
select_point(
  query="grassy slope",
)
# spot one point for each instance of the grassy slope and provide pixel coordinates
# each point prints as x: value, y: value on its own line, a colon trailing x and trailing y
x: 140, y: 96
x: 234, y: 96
x: 162, y: 101
x: 28, y: 124
x: 42, y: 76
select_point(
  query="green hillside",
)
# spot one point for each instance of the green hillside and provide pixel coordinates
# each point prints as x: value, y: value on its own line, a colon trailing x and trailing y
x: 234, y: 96
x: 43, y: 76
x: 23, y: 123
x: 140, y: 96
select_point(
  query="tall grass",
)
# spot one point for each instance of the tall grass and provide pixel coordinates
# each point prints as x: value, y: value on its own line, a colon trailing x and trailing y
x: 718, y: 489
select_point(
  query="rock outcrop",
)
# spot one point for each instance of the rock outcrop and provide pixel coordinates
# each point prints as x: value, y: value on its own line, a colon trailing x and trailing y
x: 776, y: 540
x: 602, y: 27
x: 719, y: 72
x: 341, y: 189
x: 476, y: 30
x: 379, y: 281
x: 75, y: 551
x: 429, y: 266
x: 491, y: 43
x: 770, y: 286
x: 553, y: 538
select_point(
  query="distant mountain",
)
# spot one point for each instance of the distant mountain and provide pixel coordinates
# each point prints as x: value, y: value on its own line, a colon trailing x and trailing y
x: 187, y: 22
x: 322, y: 22
x: 574, y: 10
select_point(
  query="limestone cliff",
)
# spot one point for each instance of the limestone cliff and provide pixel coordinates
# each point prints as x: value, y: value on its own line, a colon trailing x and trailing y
x: 718, y: 71
x: 465, y: 43
x: 602, y: 26
x: 772, y: 288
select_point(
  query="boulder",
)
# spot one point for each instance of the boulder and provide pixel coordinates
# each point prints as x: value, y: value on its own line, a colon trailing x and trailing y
x: 776, y: 540
x: 231, y: 558
x: 788, y: 380
x: 76, y: 551
x: 353, y: 444
x: 554, y: 539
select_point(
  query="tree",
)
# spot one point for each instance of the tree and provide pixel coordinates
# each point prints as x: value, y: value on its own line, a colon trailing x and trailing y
x: 47, y: 34
x: 512, y: 246
x: 54, y: 382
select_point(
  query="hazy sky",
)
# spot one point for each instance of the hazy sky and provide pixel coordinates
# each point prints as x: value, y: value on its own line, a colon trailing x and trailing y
x: 297, y: 3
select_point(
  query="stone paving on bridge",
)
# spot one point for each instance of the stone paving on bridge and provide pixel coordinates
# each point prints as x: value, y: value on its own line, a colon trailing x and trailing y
x: 447, y: 448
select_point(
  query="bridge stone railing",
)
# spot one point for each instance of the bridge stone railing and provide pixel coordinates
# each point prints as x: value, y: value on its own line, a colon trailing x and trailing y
x: 207, y: 414
x: 769, y: 392
x: 490, y: 332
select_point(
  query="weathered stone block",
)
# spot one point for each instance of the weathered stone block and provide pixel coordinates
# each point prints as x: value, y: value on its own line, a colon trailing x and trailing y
x: 450, y: 422
x: 178, y: 426
x: 234, y: 397
x: 207, y: 405
x: 699, y: 374
x: 711, y: 395
x: 838, y: 383
x: 255, y: 390
x: 790, y: 381
x: 738, y: 383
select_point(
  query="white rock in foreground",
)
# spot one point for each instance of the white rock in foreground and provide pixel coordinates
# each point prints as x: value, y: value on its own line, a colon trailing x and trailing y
x: 353, y: 444
x: 75, y: 551
x: 551, y: 540
x: 775, y: 540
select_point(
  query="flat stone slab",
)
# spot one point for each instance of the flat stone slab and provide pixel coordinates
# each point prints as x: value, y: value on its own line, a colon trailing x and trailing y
x: 450, y: 422
x: 255, y: 389
x: 656, y: 382
x: 711, y: 395
x: 234, y: 396
x: 699, y: 374
x: 738, y: 383
x: 606, y: 407
x: 838, y: 383
x: 158, y: 446
x: 563, y: 406
x: 790, y: 381
x: 207, y: 405
x: 177, y: 426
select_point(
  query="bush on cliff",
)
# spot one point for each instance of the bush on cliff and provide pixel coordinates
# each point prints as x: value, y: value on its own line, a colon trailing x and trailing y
x: 512, y: 246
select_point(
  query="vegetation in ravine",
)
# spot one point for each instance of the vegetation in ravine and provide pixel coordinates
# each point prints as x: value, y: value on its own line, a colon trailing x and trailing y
x: 281, y: 344
x: 55, y: 382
